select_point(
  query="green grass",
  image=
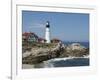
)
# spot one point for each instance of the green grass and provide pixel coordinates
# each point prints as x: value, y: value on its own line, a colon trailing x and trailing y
x: 38, y: 45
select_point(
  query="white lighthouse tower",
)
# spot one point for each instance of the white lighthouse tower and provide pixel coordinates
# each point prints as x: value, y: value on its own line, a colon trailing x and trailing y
x: 47, y: 33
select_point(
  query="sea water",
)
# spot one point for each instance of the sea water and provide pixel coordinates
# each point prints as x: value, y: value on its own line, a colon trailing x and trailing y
x: 64, y: 62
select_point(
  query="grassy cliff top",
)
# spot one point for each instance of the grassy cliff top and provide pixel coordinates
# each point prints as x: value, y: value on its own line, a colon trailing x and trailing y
x: 29, y: 46
x: 39, y: 44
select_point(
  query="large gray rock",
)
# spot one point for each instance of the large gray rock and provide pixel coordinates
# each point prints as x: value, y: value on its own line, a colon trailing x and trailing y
x: 75, y: 46
x: 75, y: 50
x: 40, y: 54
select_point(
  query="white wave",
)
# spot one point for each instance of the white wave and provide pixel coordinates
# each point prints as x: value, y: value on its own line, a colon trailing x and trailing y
x: 59, y: 59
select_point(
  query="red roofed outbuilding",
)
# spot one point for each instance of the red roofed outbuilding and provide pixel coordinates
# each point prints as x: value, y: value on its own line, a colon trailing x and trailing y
x: 30, y: 37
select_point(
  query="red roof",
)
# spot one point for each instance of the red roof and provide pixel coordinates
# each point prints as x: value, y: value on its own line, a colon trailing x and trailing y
x: 27, y: 34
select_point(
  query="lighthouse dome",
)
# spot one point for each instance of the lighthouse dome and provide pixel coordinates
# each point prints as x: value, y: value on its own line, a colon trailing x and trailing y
x: 47, y: 24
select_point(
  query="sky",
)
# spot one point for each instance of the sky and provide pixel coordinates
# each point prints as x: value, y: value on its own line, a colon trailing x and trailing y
x: 63, y: 26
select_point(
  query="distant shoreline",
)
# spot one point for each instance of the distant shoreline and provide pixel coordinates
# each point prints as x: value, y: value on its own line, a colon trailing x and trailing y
x: 86, y: 44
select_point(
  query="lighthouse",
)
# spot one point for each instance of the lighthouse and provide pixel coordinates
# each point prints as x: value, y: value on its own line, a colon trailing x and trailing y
x: 47, y: 32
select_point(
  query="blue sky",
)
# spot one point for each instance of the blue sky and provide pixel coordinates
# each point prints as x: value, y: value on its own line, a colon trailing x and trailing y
x: 64, y: 26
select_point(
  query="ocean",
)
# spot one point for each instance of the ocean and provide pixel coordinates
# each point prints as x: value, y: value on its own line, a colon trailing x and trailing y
x: 63, y: 62
x: 71, y: 62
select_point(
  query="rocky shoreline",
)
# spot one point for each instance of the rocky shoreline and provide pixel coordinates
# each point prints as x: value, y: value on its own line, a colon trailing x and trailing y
x: 39, y: 54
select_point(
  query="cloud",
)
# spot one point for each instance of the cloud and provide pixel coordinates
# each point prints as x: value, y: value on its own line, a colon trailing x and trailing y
x: 36, y: 25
